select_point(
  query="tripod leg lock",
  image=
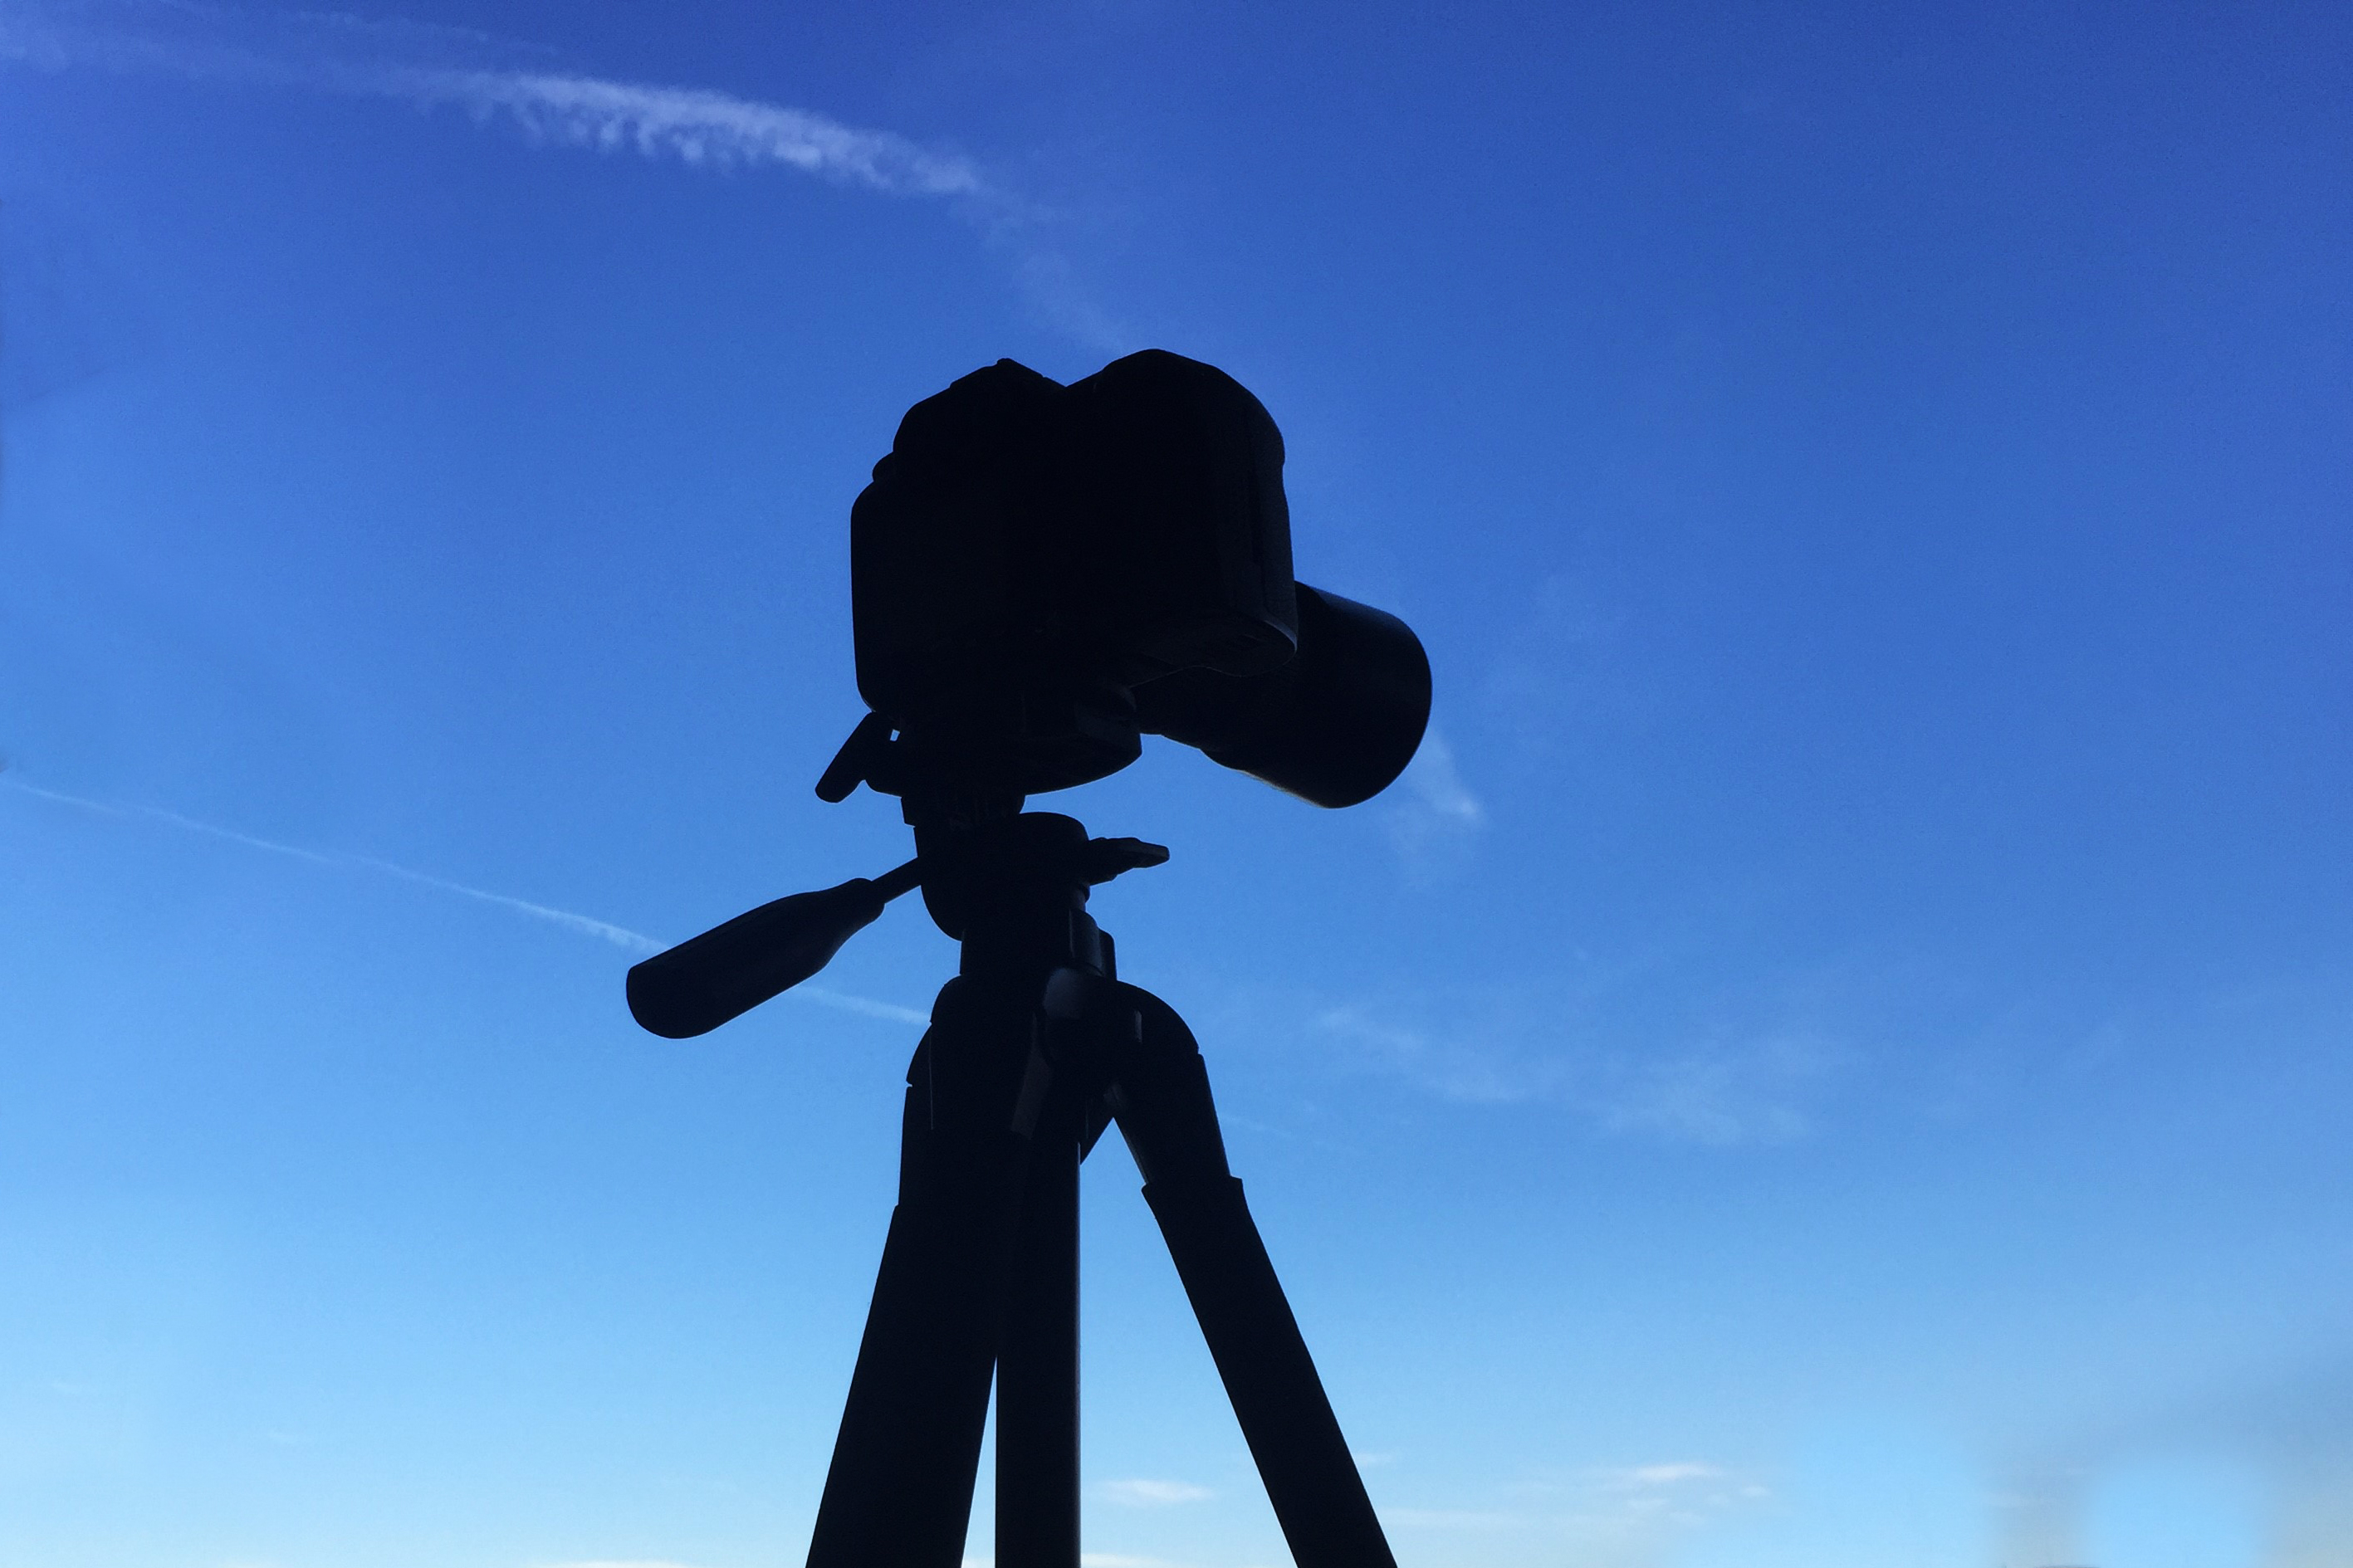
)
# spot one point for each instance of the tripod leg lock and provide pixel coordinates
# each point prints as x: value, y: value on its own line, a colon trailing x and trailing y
x: 1160, y: 1093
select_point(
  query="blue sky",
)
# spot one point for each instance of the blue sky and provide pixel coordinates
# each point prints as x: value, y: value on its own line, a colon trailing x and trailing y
x: 1835, y: 1055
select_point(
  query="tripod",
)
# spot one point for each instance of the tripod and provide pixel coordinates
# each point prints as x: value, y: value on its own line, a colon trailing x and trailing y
x: 1040, y: 576
x: 1033, y: 1049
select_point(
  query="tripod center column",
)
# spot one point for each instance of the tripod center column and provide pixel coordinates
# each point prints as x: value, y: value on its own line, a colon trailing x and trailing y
x: 1023, y: 892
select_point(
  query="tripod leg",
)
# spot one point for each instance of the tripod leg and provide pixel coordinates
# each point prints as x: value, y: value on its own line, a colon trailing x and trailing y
x: 1161, y: 1101
x: 899, y: 1494
x: 1037, y: 1356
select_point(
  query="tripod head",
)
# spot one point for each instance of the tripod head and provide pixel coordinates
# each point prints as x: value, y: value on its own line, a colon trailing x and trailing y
x: 1040, y: 576
x: 702, y: 983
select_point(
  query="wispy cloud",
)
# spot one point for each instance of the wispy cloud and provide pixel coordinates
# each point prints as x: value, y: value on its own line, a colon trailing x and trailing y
x: 622, y: 937
x: 1153, y: 1494
x: 1609, y: 1517
x: 1566, y: 670
x: 1434, y: 815
x: 1726, y: 1095
x: 694, y: 125
x: 1621, y: 1047
x: 1644, y: 1478
x: 1471, y: 1067
x: 501, y: 81
x: 1453, y: 1519
x: 344, y: 55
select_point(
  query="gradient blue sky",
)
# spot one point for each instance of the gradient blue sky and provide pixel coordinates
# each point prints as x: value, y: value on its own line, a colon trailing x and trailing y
x: 1836, y: 1056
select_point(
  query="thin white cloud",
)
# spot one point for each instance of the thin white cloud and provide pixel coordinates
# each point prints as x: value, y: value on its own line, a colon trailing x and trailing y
x: 1434, y: 815
x: 1466, y: 1070
x: 694, y: 125
x: 347, y: 56
x: 617, y: 1562
x: 1560, y: 1043
x: 1634, y: 1478
x: 1566, y: 669
x: 1631, y: 1516
x: 1726, y: 1097
x: 501, y: 81
x: 619, y: 936
x: 1451, y: 1519
x: 1154, y: 1494
x: 1432, y: 777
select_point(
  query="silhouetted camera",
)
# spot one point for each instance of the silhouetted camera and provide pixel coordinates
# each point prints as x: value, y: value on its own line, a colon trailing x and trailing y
x: 1042, y: 573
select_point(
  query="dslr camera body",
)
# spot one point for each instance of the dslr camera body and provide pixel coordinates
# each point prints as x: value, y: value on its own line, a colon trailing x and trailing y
x: 1040, y: 574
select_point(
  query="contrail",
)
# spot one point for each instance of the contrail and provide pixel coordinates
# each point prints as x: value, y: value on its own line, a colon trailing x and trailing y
x: 866, y: 1006
x: 581, y: 925
x: 619, y: 936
